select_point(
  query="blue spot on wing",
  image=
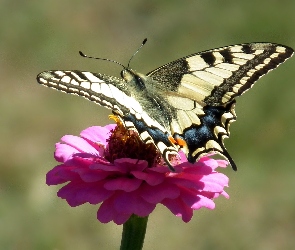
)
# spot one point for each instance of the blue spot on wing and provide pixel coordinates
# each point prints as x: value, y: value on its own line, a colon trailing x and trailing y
x: 156, y: 134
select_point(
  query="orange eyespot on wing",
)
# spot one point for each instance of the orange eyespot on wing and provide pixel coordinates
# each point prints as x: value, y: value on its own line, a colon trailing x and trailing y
x: 172, y: 140
x: 180, y: 142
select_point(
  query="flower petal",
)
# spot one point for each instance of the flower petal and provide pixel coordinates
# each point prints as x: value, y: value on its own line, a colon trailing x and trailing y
x: 132, y: 203
x: 97, y: 133
x: 107, y: 213
x: 123, y: 183
x: 64, y: 152
x: 77, y: 193
x: 79, y: 144
x: 156, y: 194
x: 179, y: 208
x: 60, y: 174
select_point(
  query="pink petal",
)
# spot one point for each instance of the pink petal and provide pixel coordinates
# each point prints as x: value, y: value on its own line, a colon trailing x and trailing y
x: 178, y: 208
x: 157, y: 193
x: 89, y: 175
x: 123, y: 183
x: 79, y: 144
x: 64, y: 152
x: 132, y: 203
x: 60, y: 174
x: 107, y: 213
x: 77, y: 193
x: 131, y: 164
x: 196, y: 200
x: 222, y: 163
x: 151, y: 178
x: 97, y: 133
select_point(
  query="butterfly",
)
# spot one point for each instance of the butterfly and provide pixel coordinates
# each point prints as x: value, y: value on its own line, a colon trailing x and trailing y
x: 186, y: 104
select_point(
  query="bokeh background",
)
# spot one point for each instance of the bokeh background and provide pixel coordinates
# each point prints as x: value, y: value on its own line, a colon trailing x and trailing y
x: 42, y: 35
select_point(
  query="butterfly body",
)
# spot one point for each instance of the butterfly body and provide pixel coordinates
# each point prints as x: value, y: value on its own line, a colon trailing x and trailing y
x: 188, y: 103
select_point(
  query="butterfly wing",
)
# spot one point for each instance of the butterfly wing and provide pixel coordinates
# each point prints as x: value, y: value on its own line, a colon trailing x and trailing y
x: 191, y: 98
x: 215, y: 77
x: 202, y: 88
x: 112, y: 93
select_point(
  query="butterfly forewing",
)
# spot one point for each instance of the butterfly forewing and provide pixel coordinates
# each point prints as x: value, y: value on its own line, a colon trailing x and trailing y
x: 215, y: 77
x: 191, y: 99
x: 112, y: 93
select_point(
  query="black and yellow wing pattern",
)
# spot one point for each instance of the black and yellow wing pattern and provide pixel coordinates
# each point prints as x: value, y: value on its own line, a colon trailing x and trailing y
x: 188, y: 103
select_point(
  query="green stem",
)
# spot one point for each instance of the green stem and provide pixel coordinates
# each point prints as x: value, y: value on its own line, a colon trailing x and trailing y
x: 133, y: 233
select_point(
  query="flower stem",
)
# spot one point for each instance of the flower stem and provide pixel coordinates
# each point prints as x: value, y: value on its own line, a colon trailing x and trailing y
x: 133, y: 233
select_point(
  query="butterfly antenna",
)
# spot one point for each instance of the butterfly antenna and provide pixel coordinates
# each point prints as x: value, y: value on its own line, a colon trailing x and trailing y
x: 143, y: 43
x: 98, y: 58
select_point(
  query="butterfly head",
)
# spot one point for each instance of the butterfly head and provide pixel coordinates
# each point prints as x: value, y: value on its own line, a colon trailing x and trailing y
x: 131, y: 76
x: 127, y: 74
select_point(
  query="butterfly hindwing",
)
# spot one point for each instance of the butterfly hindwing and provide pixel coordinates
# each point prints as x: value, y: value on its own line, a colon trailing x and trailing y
x: 208, y: 135
x: 188, y: 103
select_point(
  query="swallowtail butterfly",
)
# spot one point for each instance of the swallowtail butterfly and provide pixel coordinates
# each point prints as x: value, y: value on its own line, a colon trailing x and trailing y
x: 188, y: 103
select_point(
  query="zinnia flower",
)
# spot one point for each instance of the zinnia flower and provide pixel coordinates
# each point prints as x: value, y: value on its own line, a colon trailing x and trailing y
x: 111, y: 166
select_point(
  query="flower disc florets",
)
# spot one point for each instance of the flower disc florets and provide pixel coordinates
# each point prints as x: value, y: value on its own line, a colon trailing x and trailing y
x: 124, y: 143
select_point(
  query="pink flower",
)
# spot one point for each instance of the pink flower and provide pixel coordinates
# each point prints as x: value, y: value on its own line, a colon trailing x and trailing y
x: 97, y: 170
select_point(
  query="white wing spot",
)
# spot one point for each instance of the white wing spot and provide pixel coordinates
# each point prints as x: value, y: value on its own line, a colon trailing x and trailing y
x: 280, y: 49
x: 43, y: 81
x: 197, y: 151
x: 244, y: 80
x: 237, y: 48
x: 85, y: 94
x: 91, y: 77
x: 235, y: 89
x: 208, y: 77
x: 219, y: 72
x: 129, y: 125
x: 244, y: 56
x: 74, y: 82
x: 85, y: 85
x: 120, y: 96
x: 266, y: 61
x: 105, y: 90
x: 218, y: 57
x: 239, y: 61
x: 59, y: 73
x: 62, y: 87
x: 96, y: 87
x: 106, y: 103
x: 219, y: 130
x: 196, y: 63
x: 228, y: 66
x: 145, y: 136
x: 274, y: 55
x: 73, y: 90
x: 258, y: 52
x: 77, y: 77
x: 213, y: 145
x: 66, y: 79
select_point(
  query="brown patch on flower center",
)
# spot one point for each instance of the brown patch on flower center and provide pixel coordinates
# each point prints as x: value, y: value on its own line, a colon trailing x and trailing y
x: 125, y: 143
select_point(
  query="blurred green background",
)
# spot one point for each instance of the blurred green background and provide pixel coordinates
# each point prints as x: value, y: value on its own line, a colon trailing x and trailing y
x: 42, y: 35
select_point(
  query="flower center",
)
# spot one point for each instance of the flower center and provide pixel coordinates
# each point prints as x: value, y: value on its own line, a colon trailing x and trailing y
x: 125, y: 143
